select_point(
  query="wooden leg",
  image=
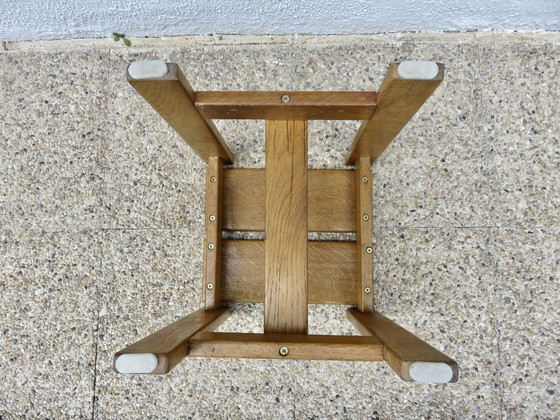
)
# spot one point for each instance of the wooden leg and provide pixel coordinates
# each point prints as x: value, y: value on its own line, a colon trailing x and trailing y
x: 285, y: 310
x: 161, y: 351
x: 404, y: 90
x: 410, y: 357
x: 166, y: 89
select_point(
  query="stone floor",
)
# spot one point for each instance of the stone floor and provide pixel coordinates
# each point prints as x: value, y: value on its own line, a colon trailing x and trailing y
x: 101, y: 225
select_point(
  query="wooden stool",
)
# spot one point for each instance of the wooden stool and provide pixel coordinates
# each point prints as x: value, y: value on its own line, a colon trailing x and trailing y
x: 286, y: 271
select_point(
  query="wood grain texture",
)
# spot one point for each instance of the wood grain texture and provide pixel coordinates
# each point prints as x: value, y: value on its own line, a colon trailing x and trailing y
x: 332, y: 205
x: 300, y: 346
x: 331, y: 275
x: 213, y: 257
x: 364, y: 233
x: 301, y: 106
x: 401, y: 348
x: 285, y: 305
x: 397, y: 102
x: 170, y: 344
x: 173, y: 98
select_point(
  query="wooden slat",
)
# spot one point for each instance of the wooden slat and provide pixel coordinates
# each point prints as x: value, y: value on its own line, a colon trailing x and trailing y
x: 331, y: 275
x: 363, y: 234
x: 397, y: 101
x: 332, y: 205
x: 401, y: 348
x: 211, y: 286
x: 170, y: 344
x: 173, y: 98
x: 301, y: 105
x: 285, y: 305
x: 299, y: 346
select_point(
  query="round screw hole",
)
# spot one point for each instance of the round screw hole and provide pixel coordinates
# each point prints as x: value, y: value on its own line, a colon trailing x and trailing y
x: 212, y: 218
x: 369, y: 249
x: 210, y: 246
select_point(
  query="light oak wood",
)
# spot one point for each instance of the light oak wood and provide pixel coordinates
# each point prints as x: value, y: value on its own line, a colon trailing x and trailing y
x: 397, y: 101
x: 285, y: 306
x: 331, y: 275
x: 301, y: 105
x: 170, y: 344
x: 299, y: 346
x: 364, y: 232
x: 212, y: 284
x: 332, y: 203
x: 402, y: 349
x: 173, y: 98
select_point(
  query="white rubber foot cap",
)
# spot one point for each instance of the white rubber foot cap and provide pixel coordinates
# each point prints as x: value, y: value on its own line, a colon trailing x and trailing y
x: 136, y: 363
x: 418, y: 70
x: 431, y: 372
x: 147, y: 69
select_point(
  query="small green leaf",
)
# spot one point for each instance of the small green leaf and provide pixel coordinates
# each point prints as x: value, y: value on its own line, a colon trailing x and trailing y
x: 116, y: 38
x: 127, y: 42
x: 116, y: 35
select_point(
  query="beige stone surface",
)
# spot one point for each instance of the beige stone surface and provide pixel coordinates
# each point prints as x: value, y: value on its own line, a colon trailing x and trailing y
x: 102, y: 226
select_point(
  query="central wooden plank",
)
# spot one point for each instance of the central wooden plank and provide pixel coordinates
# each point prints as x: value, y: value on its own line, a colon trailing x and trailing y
x: 285, y: 309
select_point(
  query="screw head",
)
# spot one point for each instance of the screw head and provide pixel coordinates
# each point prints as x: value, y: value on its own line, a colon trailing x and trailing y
x: 367, y: 290
x: 285, y: 98
x: 364, y: 179
x: 210, y: 246
x: 283, y: 351
x: 209, y: 286
x: 212, y: 218
x: 212, y: 179
x: 365, y: 217
x: 369, y: 249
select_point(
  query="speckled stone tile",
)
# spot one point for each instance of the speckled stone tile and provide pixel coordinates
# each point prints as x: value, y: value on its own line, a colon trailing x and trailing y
x: 52, y: 134
x: 528, y: 298
x: 151, y: 278
x: 49, y: 322
x: 521, y: 91
x: 433, y: 173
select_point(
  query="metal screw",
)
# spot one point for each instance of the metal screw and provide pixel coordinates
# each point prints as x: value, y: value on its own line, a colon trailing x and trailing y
x: 364, y: 179
x: 285, y: 98
x: 283, y: 351
x: 209, y: 286
x: 212, y: 179
x: 369, y: 249
x: 365, y: 217
x: 212, y: 218
x: 367, y: 290
x: 210, y: 246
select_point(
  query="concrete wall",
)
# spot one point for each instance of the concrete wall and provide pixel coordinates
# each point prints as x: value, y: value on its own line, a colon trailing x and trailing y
x: 54, y: 19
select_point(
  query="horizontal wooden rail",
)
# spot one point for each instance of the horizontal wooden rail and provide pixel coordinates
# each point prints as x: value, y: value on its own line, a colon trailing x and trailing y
x: 161, y: 351
x: 331, y: 276
x: 286, y: 346
x: 287, y: 105
x: 331, y: 200
x: 410, y: 357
